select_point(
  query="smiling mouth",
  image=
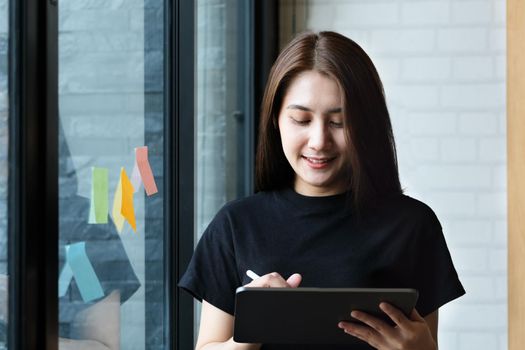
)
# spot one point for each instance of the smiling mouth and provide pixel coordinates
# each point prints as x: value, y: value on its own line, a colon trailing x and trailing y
x: 318, y: 160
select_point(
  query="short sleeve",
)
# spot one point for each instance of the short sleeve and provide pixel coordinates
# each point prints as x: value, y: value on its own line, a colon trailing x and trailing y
x: 212, y: 273
x: 436, y: 278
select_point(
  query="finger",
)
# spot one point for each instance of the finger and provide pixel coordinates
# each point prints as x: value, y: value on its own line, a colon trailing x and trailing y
x: 366, y: 334
x: 270, y: 280
x: 378, y: 325
x: 395, y: 315
x: 415, y: 316
x: 294, y: 280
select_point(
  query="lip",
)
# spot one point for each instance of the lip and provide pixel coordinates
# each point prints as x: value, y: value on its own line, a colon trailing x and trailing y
x: 318, y: 162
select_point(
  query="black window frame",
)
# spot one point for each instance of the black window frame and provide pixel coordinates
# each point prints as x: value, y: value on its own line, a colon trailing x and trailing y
x: 178, y: 154
x: 33, y: 174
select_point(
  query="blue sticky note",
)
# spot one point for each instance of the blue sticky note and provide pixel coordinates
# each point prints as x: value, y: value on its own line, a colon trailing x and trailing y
x: 64, y: 280
x: 85, y: 276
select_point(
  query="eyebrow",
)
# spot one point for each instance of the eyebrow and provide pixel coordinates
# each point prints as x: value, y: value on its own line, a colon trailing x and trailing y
x: 306, y: 109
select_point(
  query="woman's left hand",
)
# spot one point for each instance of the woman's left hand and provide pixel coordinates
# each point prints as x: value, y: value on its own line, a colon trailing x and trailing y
x: 408, y: 333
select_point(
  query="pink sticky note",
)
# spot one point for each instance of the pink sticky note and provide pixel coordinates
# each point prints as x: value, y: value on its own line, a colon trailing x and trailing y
x: 141, y: 155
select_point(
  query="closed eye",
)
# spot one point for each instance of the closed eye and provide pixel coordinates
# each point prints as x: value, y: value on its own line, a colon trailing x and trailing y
x: 336, y: 124
x: 300, y: 121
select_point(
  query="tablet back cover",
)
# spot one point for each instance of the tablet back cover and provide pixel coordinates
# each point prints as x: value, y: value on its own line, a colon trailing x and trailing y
x: 308, y: 315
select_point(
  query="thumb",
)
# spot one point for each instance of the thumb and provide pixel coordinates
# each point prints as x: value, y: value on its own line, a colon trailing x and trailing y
x: 294, y: 280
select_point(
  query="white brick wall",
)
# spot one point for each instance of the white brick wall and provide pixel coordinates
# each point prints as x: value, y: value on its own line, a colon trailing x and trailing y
x: 443, y: 67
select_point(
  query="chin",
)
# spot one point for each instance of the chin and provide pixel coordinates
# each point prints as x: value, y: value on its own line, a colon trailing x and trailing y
x: 322, y: 186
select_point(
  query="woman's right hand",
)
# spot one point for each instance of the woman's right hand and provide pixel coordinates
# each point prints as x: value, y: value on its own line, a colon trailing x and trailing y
x: 216, y: 328
x: 275, y: 280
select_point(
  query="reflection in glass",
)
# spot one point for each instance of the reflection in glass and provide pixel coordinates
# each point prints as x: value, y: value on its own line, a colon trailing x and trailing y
x: 220, y: 120
x: 4, y: 131
x: 222, y: 123
x: 111, y: 284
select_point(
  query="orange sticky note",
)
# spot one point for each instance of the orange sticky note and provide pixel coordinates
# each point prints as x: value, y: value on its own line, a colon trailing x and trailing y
x: 118, y: 219
x: 127, y: 210
x: 141, y: 155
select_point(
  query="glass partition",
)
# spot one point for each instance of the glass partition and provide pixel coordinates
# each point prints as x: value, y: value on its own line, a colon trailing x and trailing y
x: 221, y: 114
x: 224, y: 124
x: 111, y: 262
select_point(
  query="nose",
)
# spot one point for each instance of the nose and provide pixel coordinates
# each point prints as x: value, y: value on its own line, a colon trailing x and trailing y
x: 320, y: 137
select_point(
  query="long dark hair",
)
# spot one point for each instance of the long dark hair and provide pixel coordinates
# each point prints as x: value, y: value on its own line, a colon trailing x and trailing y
x: 373, y: 164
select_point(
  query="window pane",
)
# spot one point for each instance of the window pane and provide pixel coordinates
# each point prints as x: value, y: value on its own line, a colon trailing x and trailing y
x: 221, y: 118
x: 4, y: 131
x: 111, y: 277
x: 223, y: 123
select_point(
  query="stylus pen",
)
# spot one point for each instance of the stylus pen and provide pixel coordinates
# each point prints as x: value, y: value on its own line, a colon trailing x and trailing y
x: 252, y: 274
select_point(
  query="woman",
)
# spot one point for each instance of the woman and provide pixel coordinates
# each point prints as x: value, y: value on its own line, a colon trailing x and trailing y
x: 329, y: 211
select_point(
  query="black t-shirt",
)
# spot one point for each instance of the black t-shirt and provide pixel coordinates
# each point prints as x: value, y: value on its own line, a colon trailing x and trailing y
x: 400, y: 244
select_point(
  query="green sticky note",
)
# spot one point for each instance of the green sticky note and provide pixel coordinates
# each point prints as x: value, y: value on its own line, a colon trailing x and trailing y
x: 98, y: 212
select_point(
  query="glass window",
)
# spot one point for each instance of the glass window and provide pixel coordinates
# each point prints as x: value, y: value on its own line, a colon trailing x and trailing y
x: 223, y: 125
x: 220, y: 116
x: 4, y: 131
x: 111, y: 262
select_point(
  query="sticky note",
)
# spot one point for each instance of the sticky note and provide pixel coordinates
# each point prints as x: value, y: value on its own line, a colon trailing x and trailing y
x: 98, y: 209
x: 141, y: 155
x: 118, y: 219
x: 127, y: 209
x: 65, y: 279
x: 83, y: 272
x: 135, y: 177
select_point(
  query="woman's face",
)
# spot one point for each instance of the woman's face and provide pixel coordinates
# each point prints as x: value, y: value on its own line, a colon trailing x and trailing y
x: 313, y: 136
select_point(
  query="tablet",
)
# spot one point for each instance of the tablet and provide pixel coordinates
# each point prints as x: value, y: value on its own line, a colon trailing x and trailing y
x: 309, y: 315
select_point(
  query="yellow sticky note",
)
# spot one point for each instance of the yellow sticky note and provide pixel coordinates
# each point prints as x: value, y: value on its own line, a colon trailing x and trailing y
x: 118, y: 219
x: 127, y: 209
